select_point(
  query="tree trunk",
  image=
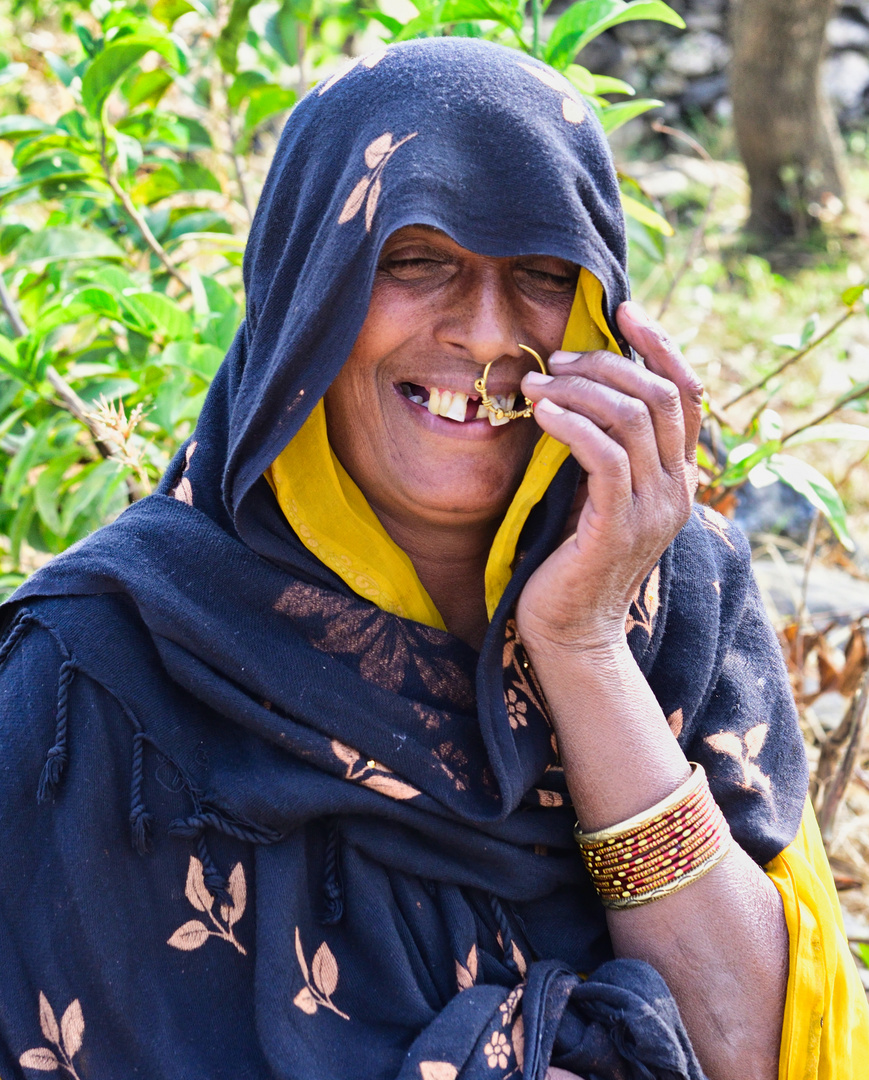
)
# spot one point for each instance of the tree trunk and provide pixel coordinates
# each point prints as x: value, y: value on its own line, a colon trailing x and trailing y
x: 785, y: 127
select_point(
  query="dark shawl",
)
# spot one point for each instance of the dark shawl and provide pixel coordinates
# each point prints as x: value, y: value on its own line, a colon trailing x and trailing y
x: 252, y: 826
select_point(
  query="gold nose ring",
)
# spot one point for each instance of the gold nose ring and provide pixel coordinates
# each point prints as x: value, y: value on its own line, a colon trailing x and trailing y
x: 492, y: 406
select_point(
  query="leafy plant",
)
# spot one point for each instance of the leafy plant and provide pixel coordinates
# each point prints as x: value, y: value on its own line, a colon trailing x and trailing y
x: 754, y: 452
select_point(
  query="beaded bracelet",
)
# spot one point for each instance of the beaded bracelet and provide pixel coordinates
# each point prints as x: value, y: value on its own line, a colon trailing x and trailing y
x: 659, y: 851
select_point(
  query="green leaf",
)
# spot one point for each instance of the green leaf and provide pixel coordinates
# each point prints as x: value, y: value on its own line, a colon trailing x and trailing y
x: 265, y: 102
x: 455, y: 11
x: 199, y: 221
x: 863, y: 952
x: 242, y: 85
x: 172, y: 177
x: 65, y: 242
x: 100, y: 300
x: 204, y: 360
x: 646, y: 215
x: 851, y: 296
x: 816, y: 488
x: 15, y: 127
x: 232, y: 34
x: 833, y: 432
x: 45, y: 490
x: 613, y: 116
x: 808, y: 330
x: 115, y: 61
x: 586, y: 19
x: 171, y: 321
x: 149, y: 86
x: 94, y: 483
x: 169, y: 11
x: 29, y: 453
x: 10, y: 236
x: 60, y: 167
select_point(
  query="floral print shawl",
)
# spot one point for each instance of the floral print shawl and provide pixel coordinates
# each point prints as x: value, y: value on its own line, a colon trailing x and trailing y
x: 254, y: 827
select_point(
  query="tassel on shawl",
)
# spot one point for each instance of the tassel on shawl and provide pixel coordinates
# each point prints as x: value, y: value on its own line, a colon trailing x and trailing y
x: 333, y: 892
x: 57, y: 757
x: 193, y: 828
x: 22, y: 623
x: 506, y: 936
x: 140, y: 819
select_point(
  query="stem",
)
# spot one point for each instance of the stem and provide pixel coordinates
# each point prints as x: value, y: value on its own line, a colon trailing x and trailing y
x: 700, y: 229
x: 785, y: 364
x: 235, y: 158
x: 12, y: 312
x: 127, y: 203
x: 535, y: 28
x: 301, y: 43
x: 860, y: 391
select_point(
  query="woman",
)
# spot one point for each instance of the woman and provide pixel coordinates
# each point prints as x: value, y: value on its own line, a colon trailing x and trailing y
x: 352, y: 677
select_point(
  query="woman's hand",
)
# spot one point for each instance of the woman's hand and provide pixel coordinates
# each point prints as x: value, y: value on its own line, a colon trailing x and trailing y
x: 634, y: 432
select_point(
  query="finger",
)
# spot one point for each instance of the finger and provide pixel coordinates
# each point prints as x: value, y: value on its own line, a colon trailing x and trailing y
x: 664, y: 358
x: 605, y: 462
x: 660, y: 396
x: 623, y: 418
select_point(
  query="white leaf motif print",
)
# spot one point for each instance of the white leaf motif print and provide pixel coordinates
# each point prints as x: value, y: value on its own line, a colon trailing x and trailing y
x: 437, y: 1070
x: 727, y: 742
x: 66, y: 1038
x: 238, y: 893
x: 194, y: 934
x: 72, y: 1029
x: 195, y: 890
x: 47, y: 1020
x: 377, y: 155
x: 318, y: 990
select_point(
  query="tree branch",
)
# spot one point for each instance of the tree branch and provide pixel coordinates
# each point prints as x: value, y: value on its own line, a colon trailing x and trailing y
x: 142, y: 225
x: 785, y: 364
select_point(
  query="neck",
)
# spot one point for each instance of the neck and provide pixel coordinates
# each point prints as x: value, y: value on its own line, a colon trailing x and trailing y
x: 450, y: 561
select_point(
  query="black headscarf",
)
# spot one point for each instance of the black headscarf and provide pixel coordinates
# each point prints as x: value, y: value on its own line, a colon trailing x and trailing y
x: 351, y: 841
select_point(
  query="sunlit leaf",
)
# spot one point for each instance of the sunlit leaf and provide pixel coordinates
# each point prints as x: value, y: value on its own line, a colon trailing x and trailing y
x: 64, y: 242
x: 613, y: 116
x: 110, y: 66
x: 646, y: 215
x: 835, y: 432
x: 817, y: 489
x: 585, y: 20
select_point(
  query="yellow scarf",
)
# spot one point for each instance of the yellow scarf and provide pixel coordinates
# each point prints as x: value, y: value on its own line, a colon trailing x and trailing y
x: 331, y: 516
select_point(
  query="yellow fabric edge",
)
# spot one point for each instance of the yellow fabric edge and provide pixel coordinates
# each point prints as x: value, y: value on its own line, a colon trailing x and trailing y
x: 331, y: 516
x: 825, y: 1035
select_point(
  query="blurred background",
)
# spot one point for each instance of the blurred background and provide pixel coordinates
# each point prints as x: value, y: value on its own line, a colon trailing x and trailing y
x: 134, y: 140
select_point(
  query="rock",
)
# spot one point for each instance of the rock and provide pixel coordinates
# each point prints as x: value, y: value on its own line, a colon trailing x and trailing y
x: 698, y: 54
x: 846, y: 77
x: 668, y: 85
x: 847, y: 34
x: 702, y: 93
x: 705, y: 20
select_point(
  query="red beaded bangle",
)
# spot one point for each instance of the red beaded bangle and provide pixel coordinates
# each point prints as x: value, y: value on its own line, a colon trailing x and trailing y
x: 658, y: 852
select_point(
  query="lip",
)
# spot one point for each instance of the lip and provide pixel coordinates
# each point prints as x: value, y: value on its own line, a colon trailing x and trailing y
x: 476, y: 430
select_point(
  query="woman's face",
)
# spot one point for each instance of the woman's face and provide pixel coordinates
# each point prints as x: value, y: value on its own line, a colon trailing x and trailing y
x: 438, y: 315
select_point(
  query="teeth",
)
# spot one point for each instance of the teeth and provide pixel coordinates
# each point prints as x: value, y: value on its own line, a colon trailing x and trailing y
x: 434, y: 400
x: 482, y: 412
x: 458, y: 407
x: 416, y: 399
x: 446, y: 399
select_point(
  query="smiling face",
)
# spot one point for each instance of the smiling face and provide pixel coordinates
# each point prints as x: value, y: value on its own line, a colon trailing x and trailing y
x: 438, y: 314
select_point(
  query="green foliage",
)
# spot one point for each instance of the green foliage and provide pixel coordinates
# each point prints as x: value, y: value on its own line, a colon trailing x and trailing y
x: 122, y: 224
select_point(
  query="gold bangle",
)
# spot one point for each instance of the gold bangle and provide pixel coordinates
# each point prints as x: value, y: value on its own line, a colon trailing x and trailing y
x: 647, y: 817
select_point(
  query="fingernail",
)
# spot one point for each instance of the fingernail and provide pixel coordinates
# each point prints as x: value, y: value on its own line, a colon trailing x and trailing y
x: 537, y: 378
x: 545, y: 405
x: 561, y: 358
x: 636, y: 314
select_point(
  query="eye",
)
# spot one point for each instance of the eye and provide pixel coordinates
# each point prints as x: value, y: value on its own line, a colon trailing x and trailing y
x: 550, y: 275
x: 409, y: 265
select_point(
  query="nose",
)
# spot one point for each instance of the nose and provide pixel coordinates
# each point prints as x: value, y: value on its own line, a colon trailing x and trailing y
x: 481, y: 319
